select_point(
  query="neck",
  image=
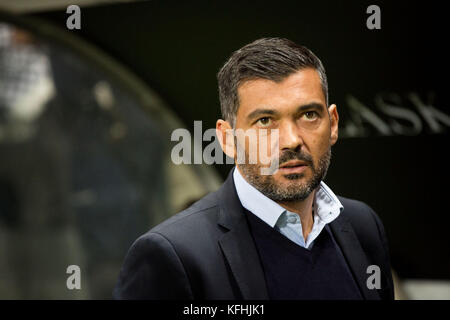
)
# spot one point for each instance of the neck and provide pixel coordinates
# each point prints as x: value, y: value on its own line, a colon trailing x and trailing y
x: 304, y: 210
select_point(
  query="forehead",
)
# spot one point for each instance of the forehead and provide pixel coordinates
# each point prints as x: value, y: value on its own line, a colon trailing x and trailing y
x: 300, y: 88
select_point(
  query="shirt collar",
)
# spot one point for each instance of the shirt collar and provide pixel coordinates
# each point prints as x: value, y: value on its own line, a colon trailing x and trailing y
x: 327, y: 205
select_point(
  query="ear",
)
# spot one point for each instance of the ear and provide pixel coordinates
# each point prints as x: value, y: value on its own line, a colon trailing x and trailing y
x: 334, y: 125
x: 224, y: 133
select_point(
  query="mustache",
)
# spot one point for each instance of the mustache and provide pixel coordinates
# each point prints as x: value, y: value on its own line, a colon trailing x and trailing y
x: 295, y: 155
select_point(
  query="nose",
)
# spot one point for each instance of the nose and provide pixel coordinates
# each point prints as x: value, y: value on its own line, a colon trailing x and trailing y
x: 289, y: 136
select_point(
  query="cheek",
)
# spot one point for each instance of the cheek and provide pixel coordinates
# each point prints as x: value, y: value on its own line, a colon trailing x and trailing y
x: 319, y: 144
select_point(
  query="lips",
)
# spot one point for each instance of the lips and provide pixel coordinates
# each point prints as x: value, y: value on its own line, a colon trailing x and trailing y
x: 293, y: 163
x: 293, y: 166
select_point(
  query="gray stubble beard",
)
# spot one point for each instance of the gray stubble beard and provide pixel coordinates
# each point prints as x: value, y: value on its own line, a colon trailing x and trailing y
x: 292, y: 192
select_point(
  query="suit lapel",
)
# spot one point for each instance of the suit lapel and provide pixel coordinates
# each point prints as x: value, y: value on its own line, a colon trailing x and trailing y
x: 354, y: 254
x: 240, y: 252
x: 238, y: 246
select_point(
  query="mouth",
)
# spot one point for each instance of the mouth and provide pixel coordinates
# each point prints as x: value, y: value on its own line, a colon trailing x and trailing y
x: 293, y: 166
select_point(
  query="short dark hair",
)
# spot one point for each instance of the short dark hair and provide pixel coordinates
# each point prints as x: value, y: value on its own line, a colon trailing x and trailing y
x: 267, y: 58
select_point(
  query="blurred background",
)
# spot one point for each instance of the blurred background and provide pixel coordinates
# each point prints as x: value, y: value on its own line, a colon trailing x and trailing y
x: 86, y: 117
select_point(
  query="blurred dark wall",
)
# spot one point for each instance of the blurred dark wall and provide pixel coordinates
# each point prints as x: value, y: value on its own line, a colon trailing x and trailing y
x: 178, y: 48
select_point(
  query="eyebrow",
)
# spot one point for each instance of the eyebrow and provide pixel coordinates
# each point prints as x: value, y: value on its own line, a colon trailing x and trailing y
x: 264, y: 112
x: 259, y: 112
x: 310, y: 106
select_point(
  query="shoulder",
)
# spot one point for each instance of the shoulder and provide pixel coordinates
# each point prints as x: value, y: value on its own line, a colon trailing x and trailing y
x: 360, y: 214
x: 367, y: 226
x: 190, y: 224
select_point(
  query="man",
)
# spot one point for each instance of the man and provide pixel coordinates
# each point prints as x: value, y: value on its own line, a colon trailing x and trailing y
x: 277, y: 235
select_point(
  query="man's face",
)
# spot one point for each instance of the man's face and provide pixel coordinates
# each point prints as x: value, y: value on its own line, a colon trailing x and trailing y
x: 307, y: 129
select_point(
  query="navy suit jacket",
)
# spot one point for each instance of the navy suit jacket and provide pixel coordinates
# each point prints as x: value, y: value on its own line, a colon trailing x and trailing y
x: 207, y: 252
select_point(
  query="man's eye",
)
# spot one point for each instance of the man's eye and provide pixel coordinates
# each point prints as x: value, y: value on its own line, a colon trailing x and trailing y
x: 310, y: 115
x: 264, y: 121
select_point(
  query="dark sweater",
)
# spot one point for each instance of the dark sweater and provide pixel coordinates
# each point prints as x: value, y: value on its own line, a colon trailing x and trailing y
x: 296, y: 273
